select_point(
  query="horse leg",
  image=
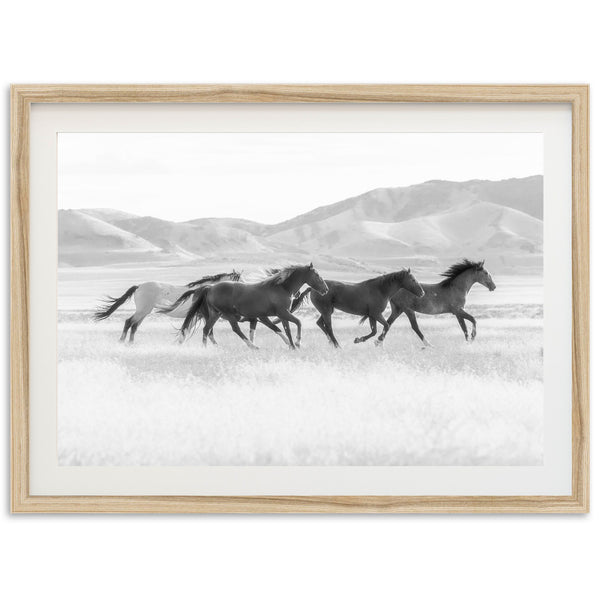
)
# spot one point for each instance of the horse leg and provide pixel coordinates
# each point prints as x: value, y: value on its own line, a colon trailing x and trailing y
x: 468, y: 317
x: 415, y: 326
x: 396, y: 312
x: 211, y: 333
x: 236, y: 329
x: 386, y: 327
x: 134, y: 328
x: 211, y: 336
x: 136, y: 321
x: 289, y: 317
x: 143, y: 307
x: 253, y: 323
x: 381, y: 319
x: 126, y: 327
x: 327, y: 324
x: 288, y: 332
x: 268, y: 323
x: 321, y: 325
x: 364, y: 338
x: 132, y: 332
x: 128, y: 323
x: 209, y: 323
x: 463, y: 326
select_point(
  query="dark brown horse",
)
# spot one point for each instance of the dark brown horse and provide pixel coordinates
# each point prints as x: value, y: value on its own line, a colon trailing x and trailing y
x: 367, y: 298
x: 254, y: 302
x: 447, y: 296
x: 188, y: 297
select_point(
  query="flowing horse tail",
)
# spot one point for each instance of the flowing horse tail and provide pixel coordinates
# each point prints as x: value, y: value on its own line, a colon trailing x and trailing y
x: 111, y: 304
x: 195, y: 312
x: 165, y: 310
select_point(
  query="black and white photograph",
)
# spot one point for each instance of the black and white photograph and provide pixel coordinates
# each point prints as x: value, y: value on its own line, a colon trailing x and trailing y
x: 300, y: 299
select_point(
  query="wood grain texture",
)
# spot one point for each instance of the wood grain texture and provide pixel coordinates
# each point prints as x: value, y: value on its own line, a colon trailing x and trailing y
x: 580, y: 242
x: 298, y: 93
x: 21, y: 98
x: 300, y: 504
x: 19, y: 298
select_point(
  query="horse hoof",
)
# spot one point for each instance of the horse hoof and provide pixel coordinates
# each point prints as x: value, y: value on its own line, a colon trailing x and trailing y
x: 379, y: 342
x: 357, y: 340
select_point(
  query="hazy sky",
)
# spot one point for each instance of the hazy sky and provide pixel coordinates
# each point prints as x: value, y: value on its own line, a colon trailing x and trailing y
x: 270, y: 177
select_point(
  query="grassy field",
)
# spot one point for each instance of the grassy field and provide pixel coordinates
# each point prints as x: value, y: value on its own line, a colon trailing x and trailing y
x: 159, y: 403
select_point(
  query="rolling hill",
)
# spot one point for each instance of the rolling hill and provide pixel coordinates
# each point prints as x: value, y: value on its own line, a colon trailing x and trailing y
x: 85, y: 240
x: 498, y: 220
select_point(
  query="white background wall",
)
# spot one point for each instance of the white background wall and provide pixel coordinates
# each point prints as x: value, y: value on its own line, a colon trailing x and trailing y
x: 296, y: 556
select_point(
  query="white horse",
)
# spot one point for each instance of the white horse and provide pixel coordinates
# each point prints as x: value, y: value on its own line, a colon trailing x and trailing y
x: 153, y: 295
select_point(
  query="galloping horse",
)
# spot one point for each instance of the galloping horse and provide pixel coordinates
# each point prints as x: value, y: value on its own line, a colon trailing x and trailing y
x: 447, y: 296
x: 254, y: 302
x: 188, y: 298
x: 367, y: 298
x: 152, y: 295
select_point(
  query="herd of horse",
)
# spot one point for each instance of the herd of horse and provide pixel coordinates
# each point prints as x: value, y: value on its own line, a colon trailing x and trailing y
x: 274, y: 299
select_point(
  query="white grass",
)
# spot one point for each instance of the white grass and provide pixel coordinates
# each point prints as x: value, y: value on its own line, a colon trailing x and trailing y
x: 157, y: 403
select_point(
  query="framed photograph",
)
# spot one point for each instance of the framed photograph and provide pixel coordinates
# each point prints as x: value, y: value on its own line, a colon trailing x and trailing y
x: 300, y: 298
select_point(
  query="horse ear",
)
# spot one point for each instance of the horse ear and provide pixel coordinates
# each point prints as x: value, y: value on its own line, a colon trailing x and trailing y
x: 408, y: 271
x: 310, y: 266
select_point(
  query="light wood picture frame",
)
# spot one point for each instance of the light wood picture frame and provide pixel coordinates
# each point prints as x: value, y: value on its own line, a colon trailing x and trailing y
x: 22, y: 98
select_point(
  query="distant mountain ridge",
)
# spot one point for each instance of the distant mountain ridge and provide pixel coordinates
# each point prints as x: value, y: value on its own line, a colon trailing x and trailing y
x: 433, y: 219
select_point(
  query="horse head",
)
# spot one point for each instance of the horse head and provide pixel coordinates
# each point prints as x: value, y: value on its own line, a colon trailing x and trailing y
x: 483, y: 277
x: 315, y: 281
x: 410, y: 284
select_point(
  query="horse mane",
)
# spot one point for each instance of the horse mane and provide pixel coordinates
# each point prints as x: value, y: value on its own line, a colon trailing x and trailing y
x: 389, y: 277
x: 278, y: 276
x: 207, y: 279
x: 453, y: 271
